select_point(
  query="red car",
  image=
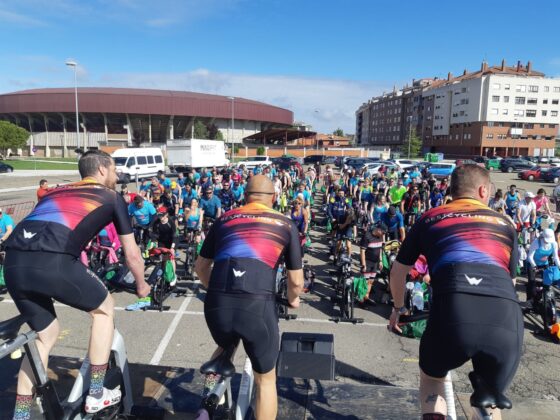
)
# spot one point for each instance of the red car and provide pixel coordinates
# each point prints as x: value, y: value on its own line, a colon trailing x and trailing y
x: 534, y: 174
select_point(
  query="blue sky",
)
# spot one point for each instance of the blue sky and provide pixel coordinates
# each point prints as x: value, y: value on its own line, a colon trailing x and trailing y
x: 321, y: 59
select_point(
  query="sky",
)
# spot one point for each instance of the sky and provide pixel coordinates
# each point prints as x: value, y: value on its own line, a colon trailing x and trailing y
x: 319, y: 58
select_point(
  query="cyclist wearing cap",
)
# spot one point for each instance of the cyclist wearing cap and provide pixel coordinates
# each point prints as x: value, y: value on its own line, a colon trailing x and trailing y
x: 394, y: 221
x: 142, y: 211
x: 189, y: 193
x: 42, y: 263
x: 227, y: 199
x: 475, y: 315
x: 526, y: 211
x: 237, y: 265
x: 210, y: 204
x: 6, y: 226
x: 542, y: 249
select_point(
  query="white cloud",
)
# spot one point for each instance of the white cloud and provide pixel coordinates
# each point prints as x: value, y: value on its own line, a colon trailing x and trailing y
x: 324, y: 103
x: 7, y: 16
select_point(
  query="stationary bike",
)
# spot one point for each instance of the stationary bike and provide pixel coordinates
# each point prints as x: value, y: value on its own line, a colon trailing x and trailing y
x: 51, y: 406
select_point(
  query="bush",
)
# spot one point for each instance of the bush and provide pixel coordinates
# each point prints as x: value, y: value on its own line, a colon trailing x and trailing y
x: 261, y: 150
x: 236, y: 149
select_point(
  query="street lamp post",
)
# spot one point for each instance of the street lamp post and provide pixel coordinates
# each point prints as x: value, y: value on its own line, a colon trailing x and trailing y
x: 232, y: 125
x: 72, y: 63
x: 409, y: 134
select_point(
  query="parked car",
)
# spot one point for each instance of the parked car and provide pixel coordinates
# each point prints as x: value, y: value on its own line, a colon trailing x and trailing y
x: 313, y: 159
x: 552, y: 175
x: 492, y: 164
x: 253, y: 162
x: 372, y: 168
x: 480, y: 159
x: 515, y: 164
x: 357, y: 163
x: 544, y: 159
x: 286, y: 162
x: 533, y: 159
x: 341, y: 160
x: 4, y: 167
x: 460, y: 162
x: 440, y: 170
x: 329, y: 160
x: 533, y: 174
x: 404, y: 163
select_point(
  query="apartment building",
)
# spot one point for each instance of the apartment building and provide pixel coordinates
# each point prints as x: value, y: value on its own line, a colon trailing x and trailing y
x: 504, y: 110
x: 387, y: 120
x: 497, y: 110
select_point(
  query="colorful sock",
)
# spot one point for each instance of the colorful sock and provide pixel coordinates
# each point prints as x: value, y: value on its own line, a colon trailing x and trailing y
x: 210, y: 382
x: 97, y: 379
x: 22, y: 410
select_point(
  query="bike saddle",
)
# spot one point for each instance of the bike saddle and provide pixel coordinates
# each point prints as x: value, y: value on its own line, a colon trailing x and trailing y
x: 221, y: 365
x: 9, y: 328
x: 485, y: 397
x: 344, y: 259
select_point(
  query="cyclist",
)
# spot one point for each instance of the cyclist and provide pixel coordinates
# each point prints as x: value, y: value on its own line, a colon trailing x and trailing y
x: 189, y: 193
x: 411, y: 205
x: 42, y: 263
x: 43, y: 189
x: 542, y: 202
x: 210, y: 204
x: 237, y: 265
x: 6, y: 226
x: 512, y: 201
x: 143, y: 213
x: 497, y: 202
x: 238, y: 191
x: 542, y: 249
x: 394, y: 221
x: 472, y: 254
x: 526, y: 211
x: 170, y: 202
x: 371, y: 246
x: 227, y: 199
x: 345, y: 231
x: 164, y: 231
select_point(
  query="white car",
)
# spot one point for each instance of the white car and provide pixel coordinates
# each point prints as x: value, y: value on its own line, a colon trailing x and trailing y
x: 405, y: 163
x: 371, y: 169
x: 253, y: 162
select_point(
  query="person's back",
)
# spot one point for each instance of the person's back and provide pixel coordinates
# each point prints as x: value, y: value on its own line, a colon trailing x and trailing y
x: 243, y: 249
x: 475, y: 315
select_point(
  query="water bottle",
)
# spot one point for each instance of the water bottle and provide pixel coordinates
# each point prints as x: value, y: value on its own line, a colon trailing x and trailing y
x: 418, y: 297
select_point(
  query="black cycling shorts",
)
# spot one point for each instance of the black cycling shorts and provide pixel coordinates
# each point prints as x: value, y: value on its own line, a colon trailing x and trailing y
x: 487, y: 330
x: 34, y: 279
x: 231, y: 318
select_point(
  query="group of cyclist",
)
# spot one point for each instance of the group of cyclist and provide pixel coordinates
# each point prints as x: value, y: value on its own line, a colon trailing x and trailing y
x: 243, y: 216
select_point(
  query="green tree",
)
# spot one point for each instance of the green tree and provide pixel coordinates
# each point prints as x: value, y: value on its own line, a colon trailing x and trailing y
x: 261, y: 150
x: 12, y: 136
x: 214, y: 133
x: 338, y: 132
x: 200, y: 130
x: 415, y: 145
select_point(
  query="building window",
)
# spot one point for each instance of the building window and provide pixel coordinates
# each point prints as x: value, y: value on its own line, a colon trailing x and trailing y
x: 532, y: 101
x: 506, y: 99
x: 456, y: 136
x: 533, y: 88
x: 553, y: 113
x: 529, y: 126
x: 543, y: 113
x: 490, y: 123
x: 555, y: 102
x: 520, y: 100
x: 520, y: 88
x: 506, y: 87
x: 504, y: 111
x: 531, y: 113
x: 464, y: 136
x: 495, y: 98
x: 494, y: 111
x: 496, y: 86
x: 518, y: 112
x: 547, y: 88
x: 489, y: 136
x: 545, y: 101
x: 557, y: 89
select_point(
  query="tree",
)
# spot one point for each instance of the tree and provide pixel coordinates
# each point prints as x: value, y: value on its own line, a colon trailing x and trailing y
x: 415, y: 145
x: 200, y: 130
x: 261, y: 150
x: 338, y: 132
x: 214, y: 133
x: 12, y: 136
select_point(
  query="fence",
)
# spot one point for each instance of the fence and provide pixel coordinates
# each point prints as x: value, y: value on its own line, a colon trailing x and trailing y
x: 17, y: 211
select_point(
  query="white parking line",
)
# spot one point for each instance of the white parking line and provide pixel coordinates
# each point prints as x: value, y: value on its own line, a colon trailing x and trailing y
x: 169, y: 333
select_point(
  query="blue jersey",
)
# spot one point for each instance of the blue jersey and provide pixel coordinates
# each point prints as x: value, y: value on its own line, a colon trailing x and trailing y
x: 237, y: 192
x: 393, y: 222
x: 142, y: 216
x: 188, y: 197
x: 210, y: 206
x: 5, y: 221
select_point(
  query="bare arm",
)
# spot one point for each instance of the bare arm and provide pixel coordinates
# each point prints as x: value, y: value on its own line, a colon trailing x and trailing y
x: 9, y: 229
x: 397, y: 281
x: 135, y: 263
x: 295, y: 286
x: 203, y: 268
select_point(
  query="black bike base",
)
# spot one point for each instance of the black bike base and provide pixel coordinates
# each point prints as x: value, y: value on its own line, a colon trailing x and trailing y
x: 338, y: 319
x: 288, y: 317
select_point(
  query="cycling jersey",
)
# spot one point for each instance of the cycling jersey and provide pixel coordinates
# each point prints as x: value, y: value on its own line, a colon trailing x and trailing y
x: 247, y: 245
x: 237, y: 192
x: 142, y: 216
x: 469, y: 248
x: 372, y: 246
x: 337, y: 210
x: 5, y: 222
x: 396, y: 194
x: 226, y: 198
x: 67, y: 218
x: 526, y: 210
x: 210, y: 206
x: 540, y: 251
x: 193, y: 221
x: 511, y: 200
x: 189, y: 196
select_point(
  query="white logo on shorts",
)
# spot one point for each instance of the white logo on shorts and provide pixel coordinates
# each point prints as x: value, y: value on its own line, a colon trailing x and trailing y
x: 473, y: 281
x: 238, y: 273
x: 28, y: 235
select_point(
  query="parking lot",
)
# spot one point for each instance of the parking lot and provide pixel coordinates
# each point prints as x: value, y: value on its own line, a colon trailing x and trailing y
x: 171, y: 344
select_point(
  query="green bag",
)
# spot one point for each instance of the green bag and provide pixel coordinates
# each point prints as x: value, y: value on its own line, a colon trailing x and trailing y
x: 323, y: 189
x: 385, y: 261
x: 307, y: 241
x: 329, y: 226
x: 360, y: 287
x: 199, y: 247
x: 2, y: 282
x: 311, y: 200
x: 169, y: 274
x: 414, y: 329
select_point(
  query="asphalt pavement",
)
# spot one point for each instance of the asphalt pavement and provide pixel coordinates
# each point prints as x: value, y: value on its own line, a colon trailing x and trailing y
x: 173, y: 342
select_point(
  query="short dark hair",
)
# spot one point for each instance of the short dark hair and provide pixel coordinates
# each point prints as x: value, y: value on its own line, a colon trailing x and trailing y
x: 42, y: 182
x: 138, y: 199
x: 466, y: 178
x: 90, y: 161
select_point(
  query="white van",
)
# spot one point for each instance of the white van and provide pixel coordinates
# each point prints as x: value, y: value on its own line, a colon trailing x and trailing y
x: 144, y: 161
